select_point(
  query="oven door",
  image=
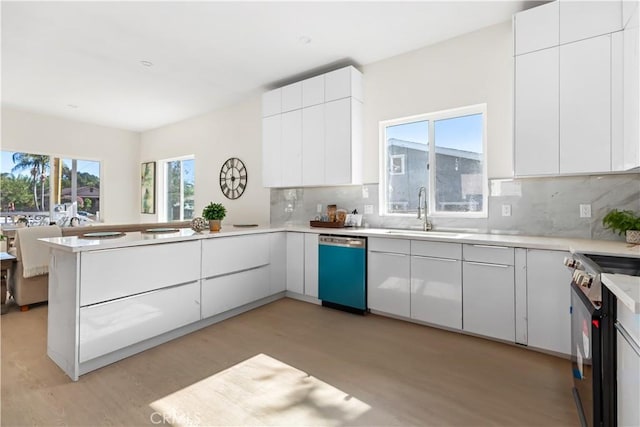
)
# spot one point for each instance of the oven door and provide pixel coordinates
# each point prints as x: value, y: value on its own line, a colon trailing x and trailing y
x: 586, y: 358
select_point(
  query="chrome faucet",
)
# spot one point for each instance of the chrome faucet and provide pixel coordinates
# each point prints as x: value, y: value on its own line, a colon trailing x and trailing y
x: 422, y: 205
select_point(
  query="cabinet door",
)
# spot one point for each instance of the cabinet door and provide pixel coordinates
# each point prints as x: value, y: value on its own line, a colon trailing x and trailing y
x: 277, y: 262
x: 295, y: 262
x: 488, y: 300
x: 311, y: 264
x: 313, y: 91
x: 628, y: 378
x: 224, y: 255
x: 548, y: 301
x: 292, y: 97
x: 536, y: 113
x: 112, y: 325
x: 271, y: 103
x: 631, y: 101
x: 291, y: 149
x: 337, y: 147
x: 223, y: 293
x: 537, y: 28
x: 313, y: 140
x: 436, y: 291
x: 585, y: 106
x: 271, y: 143
x: 583, y: 19
x: 388, y: 283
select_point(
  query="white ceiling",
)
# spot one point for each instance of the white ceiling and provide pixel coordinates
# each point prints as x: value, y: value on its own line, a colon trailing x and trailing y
x: 82, y: 60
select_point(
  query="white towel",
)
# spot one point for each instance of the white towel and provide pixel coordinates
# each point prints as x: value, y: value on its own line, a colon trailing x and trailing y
x: 33, y: 254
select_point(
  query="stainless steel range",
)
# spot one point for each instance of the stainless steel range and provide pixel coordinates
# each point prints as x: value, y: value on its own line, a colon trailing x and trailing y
x: 593, y: 345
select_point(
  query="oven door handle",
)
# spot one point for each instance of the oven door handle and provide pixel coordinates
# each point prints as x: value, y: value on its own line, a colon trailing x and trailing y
x: 628, y: 338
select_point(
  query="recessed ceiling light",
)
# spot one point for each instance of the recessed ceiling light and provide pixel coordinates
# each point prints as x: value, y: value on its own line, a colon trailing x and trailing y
x: 72, y: 106
x: 304, y: 39
x: 147, y: 63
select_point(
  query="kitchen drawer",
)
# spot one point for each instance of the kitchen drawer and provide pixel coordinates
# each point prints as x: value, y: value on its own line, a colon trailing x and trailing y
x: 113, y: 325
x: 630, y: 321
x: 436, y: 249
x: 489, y: 254
x: 223, y: 255
x: 396, y: 246
x: 223, y: 293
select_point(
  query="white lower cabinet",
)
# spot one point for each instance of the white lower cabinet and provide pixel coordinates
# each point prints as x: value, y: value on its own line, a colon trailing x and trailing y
x: 223, y: 293
x: 112, y: 325
x: 295, y: 262
x: 436, y: 291
x: 628, y: 372
x: 311, y: 265
x: 389, y: 283
x: 277, y: 262
x: 548, y: 301
x: 488, y: 300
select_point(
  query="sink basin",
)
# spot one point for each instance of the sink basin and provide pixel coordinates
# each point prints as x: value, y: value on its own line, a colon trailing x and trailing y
x: 425, y: 233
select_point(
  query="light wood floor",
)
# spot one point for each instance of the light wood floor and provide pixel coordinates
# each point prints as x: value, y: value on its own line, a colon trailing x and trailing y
x: 409, y: 374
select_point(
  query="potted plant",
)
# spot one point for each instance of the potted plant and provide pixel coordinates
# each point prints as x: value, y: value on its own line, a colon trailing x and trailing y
x: 623, y: 222
x: 214, y: 213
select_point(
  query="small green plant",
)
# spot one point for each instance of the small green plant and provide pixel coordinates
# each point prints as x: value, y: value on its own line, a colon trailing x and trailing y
x: 621, y: 221
x: 214, y: 211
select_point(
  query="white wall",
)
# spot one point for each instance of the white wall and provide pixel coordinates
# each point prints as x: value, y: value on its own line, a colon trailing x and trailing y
x: 117, y: 150
x: 213, y: 138
x: 471, y: 69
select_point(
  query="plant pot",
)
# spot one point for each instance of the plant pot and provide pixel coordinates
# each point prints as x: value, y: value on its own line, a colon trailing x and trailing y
x: 214, y: 225
x: 633, y: 236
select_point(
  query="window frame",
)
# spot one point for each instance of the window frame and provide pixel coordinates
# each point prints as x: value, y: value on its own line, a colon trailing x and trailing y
x: 431, y: 118
x: 162, y: 195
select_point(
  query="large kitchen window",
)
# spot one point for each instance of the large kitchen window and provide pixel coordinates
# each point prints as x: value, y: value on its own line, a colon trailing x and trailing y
x: 445, y: 152
x: 179, y: 185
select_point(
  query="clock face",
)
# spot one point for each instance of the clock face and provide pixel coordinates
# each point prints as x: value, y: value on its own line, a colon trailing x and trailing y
x: 233, y: 178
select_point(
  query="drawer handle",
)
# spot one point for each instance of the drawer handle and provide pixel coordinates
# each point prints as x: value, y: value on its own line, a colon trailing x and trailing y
x: 491, y: 247
x: 627, y: 337
x: 486, y: 264
x: 388, y: 253
x: 436, y: 258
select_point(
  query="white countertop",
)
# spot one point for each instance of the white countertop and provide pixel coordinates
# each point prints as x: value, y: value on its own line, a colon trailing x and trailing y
x: 625, y: 288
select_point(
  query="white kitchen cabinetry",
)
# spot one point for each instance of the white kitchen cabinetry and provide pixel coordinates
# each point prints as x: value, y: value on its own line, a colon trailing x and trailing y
x: 272, y: 103
x: 584, y: 19
x: 536, y: 109
x: 628, y: 365
x: 295, y: 262
x: 537, y: 28
x: 223, y: 293
x: 224, y: 255
x: 271, y: 151
x: 548, y: 301
x: 585, y: 106
x: 311, y: 265
x: 436, y: 283
x: 628, y: 156
x: 112, y: 325
x: 291, y: 148
x: 489, y: 291
x: 318, y: 139
x: 388, y: 276
x: 277, y: 262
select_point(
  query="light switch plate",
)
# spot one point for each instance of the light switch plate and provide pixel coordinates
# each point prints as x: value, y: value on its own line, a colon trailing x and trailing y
x: 319, y: 208
x: 506, y: 210
x: 585, y: 211
x: 365, y: 192
x: 368, y: 209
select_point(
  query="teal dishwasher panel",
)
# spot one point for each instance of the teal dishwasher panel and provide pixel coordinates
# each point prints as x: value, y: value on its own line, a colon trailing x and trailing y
x: 342, y: 275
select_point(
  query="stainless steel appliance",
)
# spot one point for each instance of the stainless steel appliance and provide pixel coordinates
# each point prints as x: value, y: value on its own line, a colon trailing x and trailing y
x: 342, y: 269
x: 593, y: 337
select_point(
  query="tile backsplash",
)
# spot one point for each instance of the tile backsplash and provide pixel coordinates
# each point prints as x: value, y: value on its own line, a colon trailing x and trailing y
x: 539, y: 206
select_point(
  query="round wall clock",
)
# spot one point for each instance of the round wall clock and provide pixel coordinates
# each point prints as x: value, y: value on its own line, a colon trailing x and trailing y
x: 233, y: 178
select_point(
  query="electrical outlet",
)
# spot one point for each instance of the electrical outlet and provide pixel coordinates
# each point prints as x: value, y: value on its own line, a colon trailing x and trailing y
x: 319, y: 208
x: 368, y: 209
x: 585, y: 211
x: 365, y: 192
x: 506, y: 210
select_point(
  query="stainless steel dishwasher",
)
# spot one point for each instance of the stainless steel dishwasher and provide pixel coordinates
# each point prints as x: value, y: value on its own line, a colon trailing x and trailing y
x: 342, y: 271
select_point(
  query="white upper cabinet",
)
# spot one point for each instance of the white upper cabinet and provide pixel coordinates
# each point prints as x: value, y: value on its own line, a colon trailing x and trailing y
x: 536, y: 113
x: 628, y: 156
x: 583, y: 19
x: 537, y: 28
x: 313, y: 91
x: 292, y: 97
x: 272, y: 102
x: 343, y: 83
x: 318, y: 138
x: 585, y: 106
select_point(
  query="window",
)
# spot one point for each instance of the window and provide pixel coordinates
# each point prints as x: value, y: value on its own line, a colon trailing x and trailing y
x: 443, y: 152
x: 30, y: 182
x: 179, y: 184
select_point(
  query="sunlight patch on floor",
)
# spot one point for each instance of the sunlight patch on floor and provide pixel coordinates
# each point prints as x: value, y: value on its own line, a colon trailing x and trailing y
x: 259, y: 391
